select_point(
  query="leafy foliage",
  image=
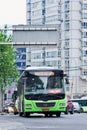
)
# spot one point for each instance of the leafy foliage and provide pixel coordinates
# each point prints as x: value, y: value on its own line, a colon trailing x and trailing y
x: 4, y: 37
x: 8, y: 68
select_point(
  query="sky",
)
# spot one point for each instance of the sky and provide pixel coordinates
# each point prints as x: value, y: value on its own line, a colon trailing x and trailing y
x: 12, y: 12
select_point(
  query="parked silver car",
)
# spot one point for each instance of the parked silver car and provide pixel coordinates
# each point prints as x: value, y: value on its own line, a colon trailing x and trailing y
x: 76, y: 107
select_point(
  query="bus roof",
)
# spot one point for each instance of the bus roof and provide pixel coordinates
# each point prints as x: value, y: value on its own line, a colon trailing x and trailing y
x: 78, y: 99
x: 42, y: 68
x: 84, y: 97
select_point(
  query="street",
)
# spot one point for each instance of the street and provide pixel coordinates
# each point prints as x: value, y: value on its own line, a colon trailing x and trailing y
x: 39, y: 122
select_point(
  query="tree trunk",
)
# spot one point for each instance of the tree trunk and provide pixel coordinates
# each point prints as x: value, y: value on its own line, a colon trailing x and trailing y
x: 1, y: 101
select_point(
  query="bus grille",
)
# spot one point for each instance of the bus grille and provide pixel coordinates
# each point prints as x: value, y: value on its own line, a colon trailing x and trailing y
x: 45, y: 104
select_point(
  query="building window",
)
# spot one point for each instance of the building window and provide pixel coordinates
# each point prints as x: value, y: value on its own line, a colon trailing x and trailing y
x: 84, y: 43
x: 85, y: 16
x: 66, y: 34
x: 67, y: 64
x: 36, y: 13
x: 28, y: 1
x: 84, y: 34
x: 84, y: 25
x: 67, y: 43
x: 43, y: 11
x: 66, y: 5
x: 85, y: 62
x: 49, y: 54
x: 36, y: 64
x: 67, y: 26
x: 36, y: 21
x: 59, y: 53
x: 85, y: 53
x: 67, y: 16
x: 36, y: 4
x: 50, y: 1
x: 85, y: 6
x: 52, y: 18
x: 51, y: 63
x: 59, y: 63
x: 52, y: 10
x: 36, y: 56
x: 67, y: 53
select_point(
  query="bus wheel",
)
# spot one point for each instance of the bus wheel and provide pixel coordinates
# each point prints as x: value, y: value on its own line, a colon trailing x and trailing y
x: 58, y: 114
x: 20, y: 113
x: 46, y: 115
x: 50, y: 115
x: 26, y: 114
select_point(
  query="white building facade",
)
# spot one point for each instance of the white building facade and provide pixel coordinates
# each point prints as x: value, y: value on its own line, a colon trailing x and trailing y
x: 71, y: 52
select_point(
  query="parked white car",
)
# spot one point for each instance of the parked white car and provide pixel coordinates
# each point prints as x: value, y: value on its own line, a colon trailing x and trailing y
x: 77, y: 107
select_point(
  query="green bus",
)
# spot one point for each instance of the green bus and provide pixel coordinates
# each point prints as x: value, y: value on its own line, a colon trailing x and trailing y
x: 41, y: 90
x: 82, y: 102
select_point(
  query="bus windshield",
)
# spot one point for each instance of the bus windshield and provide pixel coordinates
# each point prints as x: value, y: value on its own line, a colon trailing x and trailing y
x: 43, y: 82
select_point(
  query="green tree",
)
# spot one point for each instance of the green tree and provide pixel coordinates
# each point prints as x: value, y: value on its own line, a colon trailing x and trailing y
x: 8, y: 68
x: 4, y: 37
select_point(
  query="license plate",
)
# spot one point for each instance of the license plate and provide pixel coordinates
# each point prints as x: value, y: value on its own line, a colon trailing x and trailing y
x: 45, y: 109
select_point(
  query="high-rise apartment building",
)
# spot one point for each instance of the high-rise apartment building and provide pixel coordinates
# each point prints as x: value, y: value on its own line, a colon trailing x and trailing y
x: 71, y: 54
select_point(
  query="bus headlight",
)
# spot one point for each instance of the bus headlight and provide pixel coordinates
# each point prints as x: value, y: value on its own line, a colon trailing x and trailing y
x: 62, y: 104
x: 28, y: 105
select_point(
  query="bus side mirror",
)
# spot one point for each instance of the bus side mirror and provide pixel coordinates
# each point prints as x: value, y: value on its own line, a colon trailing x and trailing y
x: 66, y: 80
